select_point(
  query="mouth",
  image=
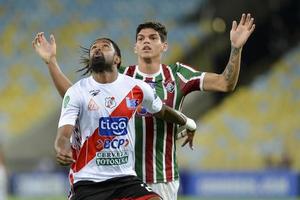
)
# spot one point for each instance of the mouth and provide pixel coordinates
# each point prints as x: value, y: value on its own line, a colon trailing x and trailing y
x: 98, y: 55
x: 146, y: 48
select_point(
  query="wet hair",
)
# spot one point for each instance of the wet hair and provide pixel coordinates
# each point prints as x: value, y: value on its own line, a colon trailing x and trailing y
x: 161, y: 29
x: 85, y: 57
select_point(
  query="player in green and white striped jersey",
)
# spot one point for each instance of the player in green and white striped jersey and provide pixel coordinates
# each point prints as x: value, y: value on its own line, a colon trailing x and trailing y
x: 155, y: 143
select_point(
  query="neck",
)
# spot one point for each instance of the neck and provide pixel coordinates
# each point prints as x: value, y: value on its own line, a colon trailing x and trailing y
x: 149, y: 66
x: 105, y: 76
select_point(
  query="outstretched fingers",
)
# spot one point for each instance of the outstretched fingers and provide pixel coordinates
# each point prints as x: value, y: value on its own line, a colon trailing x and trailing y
x: 243, y: 19
x: 251, y: 24
x: 234, y: 25
x: 52, y: 39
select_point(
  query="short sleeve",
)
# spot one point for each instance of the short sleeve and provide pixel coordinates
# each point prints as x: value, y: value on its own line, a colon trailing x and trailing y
x: 151, y: 101
x: 70, y: 108
x: 191, y: 80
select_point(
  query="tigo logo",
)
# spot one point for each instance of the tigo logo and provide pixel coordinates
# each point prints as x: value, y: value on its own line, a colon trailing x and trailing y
x: 113, y: 126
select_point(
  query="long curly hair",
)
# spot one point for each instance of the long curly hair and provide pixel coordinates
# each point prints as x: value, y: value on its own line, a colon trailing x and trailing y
x: 85, y: 56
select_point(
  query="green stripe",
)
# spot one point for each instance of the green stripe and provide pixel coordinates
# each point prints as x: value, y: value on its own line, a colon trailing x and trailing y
x: 159, y: 150
x: 139, y: 147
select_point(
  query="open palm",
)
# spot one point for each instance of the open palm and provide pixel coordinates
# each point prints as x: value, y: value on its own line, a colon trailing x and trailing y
x: 46, y: 50
x: 240, y: 33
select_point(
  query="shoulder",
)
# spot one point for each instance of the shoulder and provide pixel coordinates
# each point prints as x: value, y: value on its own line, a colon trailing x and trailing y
x: 181, y: 66
x: 79, y: 85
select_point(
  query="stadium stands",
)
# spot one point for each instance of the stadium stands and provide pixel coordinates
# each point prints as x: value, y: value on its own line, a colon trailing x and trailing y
x: 28, y: 97
x: 256, y: 128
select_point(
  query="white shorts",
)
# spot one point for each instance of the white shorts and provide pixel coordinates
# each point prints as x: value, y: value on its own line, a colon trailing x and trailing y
x: 168, y: 191
x: 2, y: 183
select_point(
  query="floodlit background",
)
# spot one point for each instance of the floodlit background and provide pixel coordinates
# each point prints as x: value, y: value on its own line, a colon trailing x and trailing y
x: 247, y: 141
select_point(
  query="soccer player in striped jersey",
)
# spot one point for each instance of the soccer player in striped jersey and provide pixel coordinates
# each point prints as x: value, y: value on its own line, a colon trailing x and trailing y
x: 156, y: 161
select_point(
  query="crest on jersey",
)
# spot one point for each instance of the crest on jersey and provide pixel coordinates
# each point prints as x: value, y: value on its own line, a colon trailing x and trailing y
x: 110, y: 102
x: 92, y: 106
x: 170, y: 86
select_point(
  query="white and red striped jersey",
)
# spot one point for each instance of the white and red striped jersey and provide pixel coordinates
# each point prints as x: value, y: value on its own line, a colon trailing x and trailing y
x: 104, y: 146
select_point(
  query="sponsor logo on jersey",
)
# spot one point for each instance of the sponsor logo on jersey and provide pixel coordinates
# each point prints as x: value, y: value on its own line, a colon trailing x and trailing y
x: 92, y: 106
x: 94, y: 92
x: 66, y: 101
x: 170, y: 86
x: 110, y: 102
x: 132, y: 103
x: 113, y: 126
x: 115, y: 143
x: 111, y: 158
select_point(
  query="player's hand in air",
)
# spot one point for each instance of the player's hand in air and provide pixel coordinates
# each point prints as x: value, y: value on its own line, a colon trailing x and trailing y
x: 44, y: 48
x: 240, y: 33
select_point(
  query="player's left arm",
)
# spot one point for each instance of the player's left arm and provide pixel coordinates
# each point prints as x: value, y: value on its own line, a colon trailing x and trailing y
x: 239, y: 35
x: 154, y: 105
x: 170, y: 115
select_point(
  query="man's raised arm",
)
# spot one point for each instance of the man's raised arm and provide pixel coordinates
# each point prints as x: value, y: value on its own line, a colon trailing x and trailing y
x: 47, y: 51
x: 239, y: 35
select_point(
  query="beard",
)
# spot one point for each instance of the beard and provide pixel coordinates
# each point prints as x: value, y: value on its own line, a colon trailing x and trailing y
x: 98, y: 64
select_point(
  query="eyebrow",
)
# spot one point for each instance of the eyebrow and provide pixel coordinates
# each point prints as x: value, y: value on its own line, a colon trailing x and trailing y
x: 152, y: 34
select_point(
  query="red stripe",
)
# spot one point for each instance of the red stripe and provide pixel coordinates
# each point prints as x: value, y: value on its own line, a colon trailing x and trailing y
x: 131, y: 70
x: 169, y: 140
x: 190, y: 86
x: 149, y: 149
x: 93, y: 143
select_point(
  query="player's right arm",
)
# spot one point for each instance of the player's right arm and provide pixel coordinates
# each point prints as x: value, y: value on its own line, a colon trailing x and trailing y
x: 62, y: 145
x: 47, y: 51
x: 69, y: 113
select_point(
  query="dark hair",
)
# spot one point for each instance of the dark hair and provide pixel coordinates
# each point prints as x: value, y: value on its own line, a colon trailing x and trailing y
x: 161, y: 29
x: 85, y: 57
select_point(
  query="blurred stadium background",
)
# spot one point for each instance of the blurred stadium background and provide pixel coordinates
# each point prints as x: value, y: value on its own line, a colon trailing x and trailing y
x: 246, y: 144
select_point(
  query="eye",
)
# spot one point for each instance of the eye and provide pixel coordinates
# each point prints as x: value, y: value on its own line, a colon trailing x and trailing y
x: 139, y: 38
x: 154, y: 37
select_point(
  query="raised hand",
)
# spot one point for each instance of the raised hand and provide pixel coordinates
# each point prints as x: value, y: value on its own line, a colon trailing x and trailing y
x: 46, y: 50
x: 240, y: 33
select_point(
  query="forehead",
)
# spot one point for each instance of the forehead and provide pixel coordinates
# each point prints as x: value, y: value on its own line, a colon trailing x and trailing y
x: 148, y: 31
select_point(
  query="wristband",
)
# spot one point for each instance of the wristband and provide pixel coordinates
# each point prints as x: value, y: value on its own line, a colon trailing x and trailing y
x: 190, y: 124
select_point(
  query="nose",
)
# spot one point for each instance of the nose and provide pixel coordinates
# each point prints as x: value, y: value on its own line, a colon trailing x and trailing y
x: 146, y: 40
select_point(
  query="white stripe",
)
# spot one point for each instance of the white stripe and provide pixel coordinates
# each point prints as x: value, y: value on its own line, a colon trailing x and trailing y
x: 144, y: 149
x: 125, y: 71
x: 154, y: 148
x: 201, y: 77
x: 173, y: 130
x: 201, y: 81
x: 185, y: 66
x: 165, y: 133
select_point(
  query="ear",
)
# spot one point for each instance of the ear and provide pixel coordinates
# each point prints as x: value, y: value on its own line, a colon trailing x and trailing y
x: 165, y: 46
x: 117, y: 60
x: 135, y: 49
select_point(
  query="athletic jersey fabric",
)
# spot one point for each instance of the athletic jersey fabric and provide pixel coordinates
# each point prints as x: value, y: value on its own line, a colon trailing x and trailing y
x: 104, y: 146
x: 156, y: 147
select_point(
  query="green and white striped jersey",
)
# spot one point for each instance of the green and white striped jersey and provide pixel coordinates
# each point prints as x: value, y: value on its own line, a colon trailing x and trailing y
x: 155, y: 147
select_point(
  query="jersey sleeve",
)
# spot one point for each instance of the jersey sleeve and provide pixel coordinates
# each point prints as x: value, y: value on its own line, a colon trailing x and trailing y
x: 190, y: 79
x: 151, y: 101
x: 70, y: 108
